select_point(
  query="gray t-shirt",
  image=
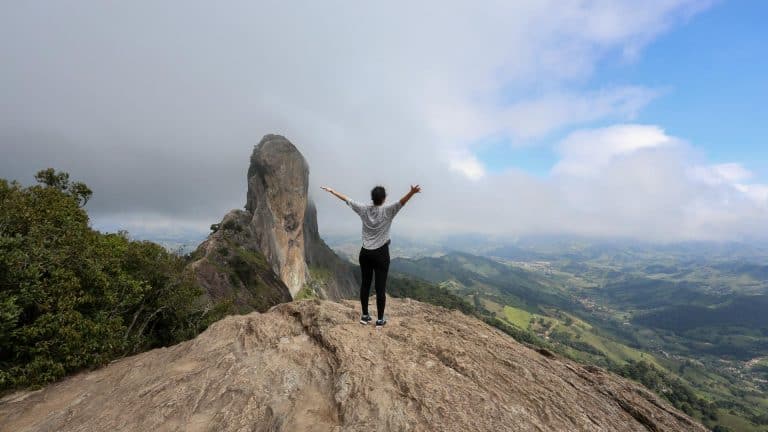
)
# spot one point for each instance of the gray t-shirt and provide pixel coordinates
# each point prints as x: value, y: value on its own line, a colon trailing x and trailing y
x: 376, y: 221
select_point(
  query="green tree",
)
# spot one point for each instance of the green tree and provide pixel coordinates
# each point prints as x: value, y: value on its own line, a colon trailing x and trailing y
x: 60, y: 180
x: 71, y: 297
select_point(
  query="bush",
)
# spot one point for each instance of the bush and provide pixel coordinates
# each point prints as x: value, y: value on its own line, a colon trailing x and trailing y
x: 232, y: 226
x: 73, y: 298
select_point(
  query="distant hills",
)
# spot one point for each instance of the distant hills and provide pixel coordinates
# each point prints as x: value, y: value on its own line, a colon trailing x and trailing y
x: 692, y: 314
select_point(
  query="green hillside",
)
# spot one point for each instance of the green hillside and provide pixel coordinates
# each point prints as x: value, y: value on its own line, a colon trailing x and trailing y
x: 658, y: 316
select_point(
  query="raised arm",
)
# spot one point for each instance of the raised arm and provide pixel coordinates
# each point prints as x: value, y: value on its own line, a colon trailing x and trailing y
x: 339, y: 195
x: 414, y: 190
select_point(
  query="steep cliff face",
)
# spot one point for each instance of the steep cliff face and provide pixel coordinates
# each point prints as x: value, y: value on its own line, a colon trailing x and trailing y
x: 309, y: 366
x: 278, y: 179
x: 285, y: 221
x: 276, y: 232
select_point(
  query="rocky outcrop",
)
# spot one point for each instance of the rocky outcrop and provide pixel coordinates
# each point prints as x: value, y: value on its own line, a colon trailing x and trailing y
x: 231, y: 268
x: 309, y: 366
x: 285, y: 221
x: 278, y: 182
x: 277, y: 231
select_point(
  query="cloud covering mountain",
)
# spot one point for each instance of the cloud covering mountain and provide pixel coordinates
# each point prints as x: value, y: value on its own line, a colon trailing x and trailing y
x: 155, y: 105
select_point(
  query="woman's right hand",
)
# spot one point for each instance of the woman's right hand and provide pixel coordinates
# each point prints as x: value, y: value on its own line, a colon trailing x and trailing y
x: 326, y: 188
x: 415, y: 189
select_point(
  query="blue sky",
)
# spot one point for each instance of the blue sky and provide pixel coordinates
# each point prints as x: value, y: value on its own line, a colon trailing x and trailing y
x: 712, y: 74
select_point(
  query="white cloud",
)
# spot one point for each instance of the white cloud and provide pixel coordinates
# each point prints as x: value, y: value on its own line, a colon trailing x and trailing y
x: 587, y: 152
x: 537, y: 117
x: 624, y: 180
x: 635, y: 180
x: 728, y: 173
x: 468, y: 165
x: 156, y: 105
x: 732, y: 175
x: 756, y: 192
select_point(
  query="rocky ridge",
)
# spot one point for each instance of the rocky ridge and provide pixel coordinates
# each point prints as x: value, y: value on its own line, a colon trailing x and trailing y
x: 309, y: 366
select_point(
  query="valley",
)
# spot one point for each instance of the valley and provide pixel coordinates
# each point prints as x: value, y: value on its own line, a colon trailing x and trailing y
x: 694, y: 313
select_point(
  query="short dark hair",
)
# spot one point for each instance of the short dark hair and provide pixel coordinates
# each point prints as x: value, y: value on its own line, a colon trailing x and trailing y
x: 378, y: 194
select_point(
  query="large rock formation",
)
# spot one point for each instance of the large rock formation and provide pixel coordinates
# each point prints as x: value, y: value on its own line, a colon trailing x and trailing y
x: 278, y: 231
x: 278, y: 180
x: 286, y: 221
x: 309, y: 366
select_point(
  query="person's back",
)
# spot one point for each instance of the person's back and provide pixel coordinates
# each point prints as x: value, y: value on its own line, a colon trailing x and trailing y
x: 374, y: 254
x: 377, y: 219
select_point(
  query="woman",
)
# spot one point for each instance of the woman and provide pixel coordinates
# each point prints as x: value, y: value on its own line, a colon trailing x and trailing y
x: 374, y: 254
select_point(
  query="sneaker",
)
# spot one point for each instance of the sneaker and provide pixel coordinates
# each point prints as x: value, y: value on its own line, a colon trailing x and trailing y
x: 365, y: 319
x: 381, y: 322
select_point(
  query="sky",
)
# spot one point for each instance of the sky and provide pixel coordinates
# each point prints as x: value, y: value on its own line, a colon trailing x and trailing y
x: 588, y: 117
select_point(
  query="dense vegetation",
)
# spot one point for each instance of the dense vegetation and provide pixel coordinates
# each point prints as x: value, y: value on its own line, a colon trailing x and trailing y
x: 745, y: 311
x: 520, y: 287
x: 679, y: 394
x: 426, y: 292
x: 72, y: 297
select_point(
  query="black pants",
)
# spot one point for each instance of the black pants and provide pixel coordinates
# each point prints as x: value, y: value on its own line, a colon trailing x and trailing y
x: 374, y: 261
